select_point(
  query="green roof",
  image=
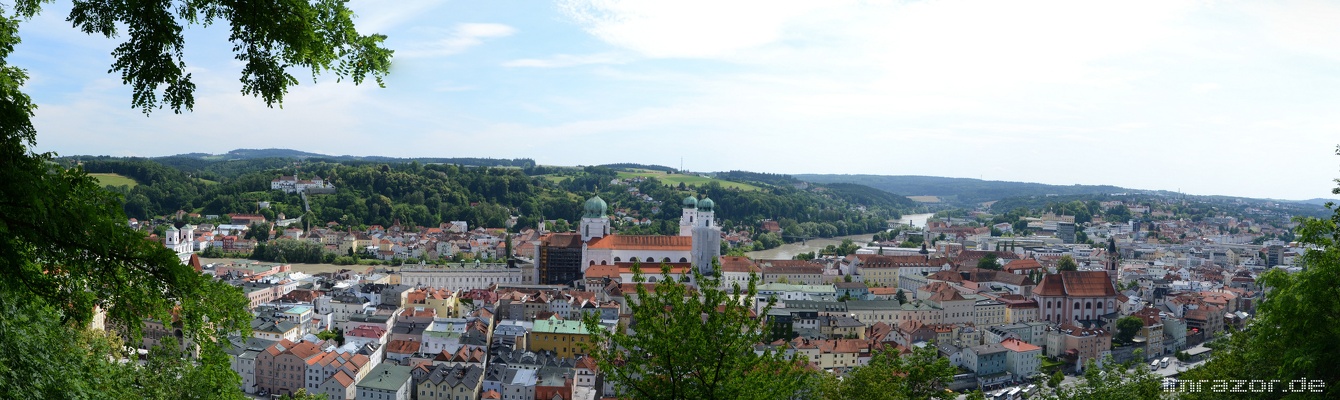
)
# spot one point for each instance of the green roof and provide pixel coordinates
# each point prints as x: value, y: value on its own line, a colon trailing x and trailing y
x: 386, y: 377
x: 555, y: 325
x: 706, y: 204
x: 595, y: 208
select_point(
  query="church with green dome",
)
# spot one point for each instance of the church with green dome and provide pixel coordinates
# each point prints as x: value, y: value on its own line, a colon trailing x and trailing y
x: 697, y: 245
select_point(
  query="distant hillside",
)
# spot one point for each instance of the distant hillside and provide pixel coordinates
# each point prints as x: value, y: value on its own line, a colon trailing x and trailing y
x: 868, y: 196
x: 1317, y: 201
x: 957, y: 190
x: 633, y: 166
x: 254, y: 154
x: 248, y: 154
x: 758, y: 177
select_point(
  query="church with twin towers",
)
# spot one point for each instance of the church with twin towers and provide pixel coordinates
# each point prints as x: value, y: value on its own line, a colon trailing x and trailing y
x: 698, y: 242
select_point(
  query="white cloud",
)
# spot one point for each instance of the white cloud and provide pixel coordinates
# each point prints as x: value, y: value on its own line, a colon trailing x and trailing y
x: 377, y: 17
x: 688, y: 28
x: 464, y: 37
x: 566, y: 60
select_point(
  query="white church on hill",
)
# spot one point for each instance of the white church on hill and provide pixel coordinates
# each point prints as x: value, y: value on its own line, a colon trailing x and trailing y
x: 698, y: 242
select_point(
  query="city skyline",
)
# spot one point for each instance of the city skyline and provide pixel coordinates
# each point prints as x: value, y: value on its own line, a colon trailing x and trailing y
x: 1205, y: 98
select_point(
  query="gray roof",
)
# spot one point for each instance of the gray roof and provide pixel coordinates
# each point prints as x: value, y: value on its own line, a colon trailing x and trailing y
x: 455, y: 375
x: 238, y: 347
x: 524, y: 377
x: 386, y: 377
x: 991, y: 348
x: 502, y: 356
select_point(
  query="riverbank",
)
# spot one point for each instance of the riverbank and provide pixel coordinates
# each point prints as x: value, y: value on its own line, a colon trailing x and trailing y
x: 310, y: 269
x: 786, y: 251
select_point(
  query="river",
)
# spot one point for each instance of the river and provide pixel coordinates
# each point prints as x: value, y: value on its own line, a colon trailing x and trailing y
x: 789, y: 250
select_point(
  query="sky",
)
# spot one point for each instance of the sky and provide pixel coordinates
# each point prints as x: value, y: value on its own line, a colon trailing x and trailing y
x: 1206, y: 97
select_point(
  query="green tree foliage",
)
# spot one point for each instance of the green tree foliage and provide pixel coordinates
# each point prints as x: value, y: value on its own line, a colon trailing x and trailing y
x: 989, y: 261
x: 768, y: 240
x: 1118, y: 214
x: 63, y: 239
x: 1115, y: 382
x: 923, y: 374
x: 1055, y: 380
x: 294, y: 251
x: 901, y: 297
x: 46, y: 358
x: 690, y: 343
x: 1067, y: 263
x: 1294, y: 334
x: 259, y: 231
x: 302, y: 394
x: 1127, y: 328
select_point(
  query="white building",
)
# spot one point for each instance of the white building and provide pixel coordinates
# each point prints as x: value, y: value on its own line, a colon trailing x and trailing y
x: 180, y: 241
x: 470, y: 276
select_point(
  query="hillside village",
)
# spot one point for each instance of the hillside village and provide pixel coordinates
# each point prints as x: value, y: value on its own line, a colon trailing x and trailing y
x: 507, y: 325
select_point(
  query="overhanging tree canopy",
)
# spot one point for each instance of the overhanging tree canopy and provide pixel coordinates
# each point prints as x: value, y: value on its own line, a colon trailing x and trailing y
x: 64, y: 241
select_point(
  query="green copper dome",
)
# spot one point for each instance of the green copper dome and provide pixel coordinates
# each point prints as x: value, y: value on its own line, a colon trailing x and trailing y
x: 690, y: 202
x: 595, y: 208
x: 706, y: 204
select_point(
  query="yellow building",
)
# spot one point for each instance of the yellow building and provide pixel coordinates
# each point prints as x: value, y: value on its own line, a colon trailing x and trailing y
x: 563, y: 337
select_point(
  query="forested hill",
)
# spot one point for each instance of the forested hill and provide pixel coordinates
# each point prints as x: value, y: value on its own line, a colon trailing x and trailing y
x: 253, y: 154
x: 961, y: 191
x: 427, y: 194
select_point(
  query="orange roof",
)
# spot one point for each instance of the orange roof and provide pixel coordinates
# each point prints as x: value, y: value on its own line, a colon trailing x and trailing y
x: 425, y: 312
x: 304, y: 350
x: 642, y: 242
x: 601, y: 271
x: 343, y: 378
x: 1018, y: 345
x: 654, y: 269
x: 883, y: 291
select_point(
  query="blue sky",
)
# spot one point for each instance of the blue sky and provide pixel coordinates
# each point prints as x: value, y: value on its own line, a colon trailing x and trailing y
x: 1209, y: 97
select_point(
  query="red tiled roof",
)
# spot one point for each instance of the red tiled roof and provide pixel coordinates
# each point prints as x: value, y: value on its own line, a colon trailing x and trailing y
x: 303, y: 350
x: 343, y: 378
x: 738, y: 264
x: 654, y: 268
x: 948, y: 276
x: 1088, y: 283
x: 566, y: 240
x: 946, y: 295
x: 1022, y: 265
x: 402, y: 347
x: 642, y: 242
x: 1076, y: 283
x: 601, y: 271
